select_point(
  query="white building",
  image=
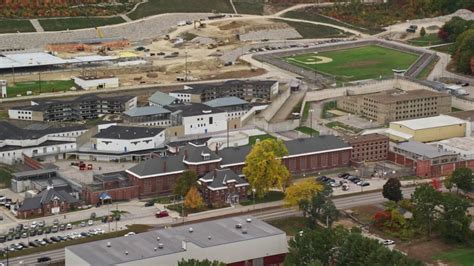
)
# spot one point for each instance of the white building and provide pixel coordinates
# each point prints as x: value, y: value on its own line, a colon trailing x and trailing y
x: 235, y: 107
x: 197, y: 118
x: 123, y: 139
x: 3, y: 89
x: 464, y: 146
x: 49, y: 144
x: 234, y: 241
x: 94, y: 83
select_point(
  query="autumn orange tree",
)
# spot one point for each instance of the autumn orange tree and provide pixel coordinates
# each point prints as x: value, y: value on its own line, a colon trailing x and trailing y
x: 264, y: 169
x: 193, y: 200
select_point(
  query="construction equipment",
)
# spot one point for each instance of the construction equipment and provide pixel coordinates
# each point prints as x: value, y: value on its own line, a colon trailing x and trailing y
x: 201, y: 24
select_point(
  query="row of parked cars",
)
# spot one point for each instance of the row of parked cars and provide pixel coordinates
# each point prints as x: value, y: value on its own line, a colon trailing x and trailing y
x: 38, y: 228
x: 347, y: 177
x: 354, y: 179
x: 54, y: 239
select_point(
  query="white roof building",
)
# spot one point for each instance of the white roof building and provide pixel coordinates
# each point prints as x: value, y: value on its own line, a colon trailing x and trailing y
x: 462, y: 146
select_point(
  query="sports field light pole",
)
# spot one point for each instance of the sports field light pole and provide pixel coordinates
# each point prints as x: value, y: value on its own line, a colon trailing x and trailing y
x: 186, y: 65
x: 311, y: 120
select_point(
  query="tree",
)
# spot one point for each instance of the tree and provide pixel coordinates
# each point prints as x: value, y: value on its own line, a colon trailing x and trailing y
x: 425, y: 199
x: 320, y: 207
x: 422, y: 31
x: 263, y: 167
x: 448, y: 183
x: 311, y: 246
x: 464, y: 51
x: 392, y: 190
x: 454, y: 219
x: 184, y: 183
x: 194, y: 262
x: 304, y: 190
x: 463, y: 179
x: 193, y: 199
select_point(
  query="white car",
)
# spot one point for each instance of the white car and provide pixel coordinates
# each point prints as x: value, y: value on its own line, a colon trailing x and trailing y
x: 388, y: 242
x: 69, y: 226
x: 99, y: 231
x: 90, y: 223
x: 130, y: 234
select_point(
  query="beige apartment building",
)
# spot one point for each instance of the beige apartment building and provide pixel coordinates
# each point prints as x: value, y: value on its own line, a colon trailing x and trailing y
x: 395, y: 105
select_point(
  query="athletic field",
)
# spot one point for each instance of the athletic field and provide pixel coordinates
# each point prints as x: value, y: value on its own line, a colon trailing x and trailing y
x: 352, y: 64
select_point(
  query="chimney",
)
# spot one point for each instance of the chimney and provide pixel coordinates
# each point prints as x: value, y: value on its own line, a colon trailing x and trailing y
x: 215, y: 173
x: 164, y: 166
x: 217, y: 148
x: 185, y: 154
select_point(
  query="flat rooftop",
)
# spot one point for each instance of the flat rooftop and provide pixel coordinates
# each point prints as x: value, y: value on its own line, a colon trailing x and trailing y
x: 430, y: 122
x: 394, y: 96
x: 204, y: 235
x: 464, y: 143
x: 425, y: 150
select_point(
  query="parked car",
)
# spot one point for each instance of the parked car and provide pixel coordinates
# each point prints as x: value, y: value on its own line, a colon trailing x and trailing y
x: 388, y: 242
x: 24, y: 235
x: 40, y: 232
x: 56, y: 222
x: 149, y: 203
x: 17, y: 236
x: 82, y: 224
x: 47, y: 230
x: 3, y: 238
x: 93, y: 215
x: 55, y: 239
x: 23, y: 244
x: 364, y: 184
x: 47, y: 240
x: 62, y: 227
x: 343, y: 175
x: 130, y: 234
x: 85, y: 234
x: 41, y: 223
x: 33, y: 244
x: 43, y: 259
x: 90, y: 223
x: 69, y: 226
x: 32, y: 232
x: 54, y: 229
x: 160, y: 214
x: 9, y: 237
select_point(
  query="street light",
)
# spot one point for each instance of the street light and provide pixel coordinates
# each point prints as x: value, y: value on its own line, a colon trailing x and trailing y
x: 311, y: 121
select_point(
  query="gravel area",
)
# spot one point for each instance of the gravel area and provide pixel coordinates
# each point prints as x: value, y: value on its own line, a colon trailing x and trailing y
x: 274, y: 34
x: 135, y: 31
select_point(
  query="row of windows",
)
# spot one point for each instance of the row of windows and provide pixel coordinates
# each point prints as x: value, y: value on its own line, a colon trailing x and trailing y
x: 415, y: 115
x: 25, y: 117
x: 25, y: 112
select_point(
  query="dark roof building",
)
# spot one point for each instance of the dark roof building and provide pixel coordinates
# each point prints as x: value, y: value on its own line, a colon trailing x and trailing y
x: 126, y: 132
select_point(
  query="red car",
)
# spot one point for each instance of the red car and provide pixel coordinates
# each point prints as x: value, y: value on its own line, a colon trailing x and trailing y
x: 160, y: 214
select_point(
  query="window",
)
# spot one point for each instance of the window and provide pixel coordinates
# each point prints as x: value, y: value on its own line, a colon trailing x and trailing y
x: 211, y: 120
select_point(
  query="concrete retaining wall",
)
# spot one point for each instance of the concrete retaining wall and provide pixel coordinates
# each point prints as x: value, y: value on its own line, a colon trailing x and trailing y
x: 277, y: 102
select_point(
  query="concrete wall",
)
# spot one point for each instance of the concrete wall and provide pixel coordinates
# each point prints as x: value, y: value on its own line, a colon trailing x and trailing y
x: 276, y: 104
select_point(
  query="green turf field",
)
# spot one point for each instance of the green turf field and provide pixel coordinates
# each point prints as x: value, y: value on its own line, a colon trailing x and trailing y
x: 77, y: 23
x: 35, y: 88
x: 359, y: 63
x: 15, y: 25
x: 153, y: 7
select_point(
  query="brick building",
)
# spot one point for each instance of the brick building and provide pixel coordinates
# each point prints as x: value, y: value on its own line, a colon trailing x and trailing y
x: 395, y: 105
x: 223, y: 186
x: 369, y: 148
x: 159, y: 175
x: 427, y: 160
x: 307, y: 155
x: 115, y: 185
x: 48, y: 202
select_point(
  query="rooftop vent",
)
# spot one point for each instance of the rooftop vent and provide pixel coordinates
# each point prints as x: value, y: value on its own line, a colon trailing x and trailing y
x: 207, y: 111
x: 155, y: 248
x: 158, y: 238
x: 109, y: 244
x: 249, y: 220
x: 244, y: 231
x: 238, y: 226
x: 209, y: 237
x: 191, y: 229
x: 160, y: 246
x: 126, y: 252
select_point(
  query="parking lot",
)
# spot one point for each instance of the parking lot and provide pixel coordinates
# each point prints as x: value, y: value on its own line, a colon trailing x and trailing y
x: 85, y: 176
x: 343, y: 186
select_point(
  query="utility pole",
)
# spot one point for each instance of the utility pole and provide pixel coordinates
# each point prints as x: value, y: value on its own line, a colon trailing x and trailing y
x: 182, y: 208
x: 186, y: 66
x: 227, y: 132
x: 117, y: 213
x: 13, y: 74
x: 39, y: 81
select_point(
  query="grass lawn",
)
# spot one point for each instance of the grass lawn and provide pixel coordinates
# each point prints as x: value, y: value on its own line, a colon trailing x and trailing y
x: 307, y: 131
x: 253, y: 139
x: 306, y: 108
x: 269, y: 197
x: 459, y: 256
x: 427, y: 70
x: 77, y: 23
x: 312, y: 16
x: 5, y: 178
x: 137, y: 228
x: 252, y: 8
x: 15, y: 25
x: 367, y: 62
x: 427, y: 40
x: 313, y: 31
x: 290, y: 225
x: 326, y: 107
x: 153, y: 7
x: 33, y: 86
x: 447, y: 49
